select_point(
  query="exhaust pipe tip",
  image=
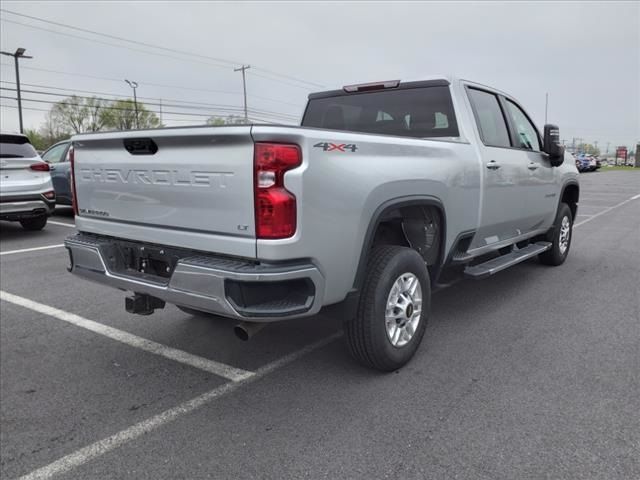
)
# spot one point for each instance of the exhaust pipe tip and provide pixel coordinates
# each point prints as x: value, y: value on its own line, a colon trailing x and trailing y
x: 245, y: 330
x: 241, y: 333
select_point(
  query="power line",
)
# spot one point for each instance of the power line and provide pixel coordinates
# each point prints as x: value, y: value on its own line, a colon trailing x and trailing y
x: 44, y: 110
x: 160, y: 85
x: 50, y: 102
x: 212, y: 113
x: 145, y: 51
x: 149, y: 45
x: 205, y: 107
x: 109, y: 44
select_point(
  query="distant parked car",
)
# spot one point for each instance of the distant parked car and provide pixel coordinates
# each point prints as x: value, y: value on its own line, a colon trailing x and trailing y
x: 583, y: 163
x: 26, y: 191
x: 57, y: 156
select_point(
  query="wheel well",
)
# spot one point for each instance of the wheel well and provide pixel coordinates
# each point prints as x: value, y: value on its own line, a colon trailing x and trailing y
x: 570, y: 196
x: 386, y: 228
x: 420, y: 227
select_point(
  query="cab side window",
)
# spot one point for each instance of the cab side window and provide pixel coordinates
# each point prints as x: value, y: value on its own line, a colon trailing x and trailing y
x: 527, y: 135
x: 489, y: 117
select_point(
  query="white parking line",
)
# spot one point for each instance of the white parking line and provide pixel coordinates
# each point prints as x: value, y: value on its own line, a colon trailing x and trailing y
x: 606, y: 210
x: 62, y: 224
x: 211, y: 366
x: 34, y: 249
x: 117, y: 440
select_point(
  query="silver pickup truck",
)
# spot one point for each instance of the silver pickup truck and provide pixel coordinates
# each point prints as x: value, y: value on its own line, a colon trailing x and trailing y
x: 385, y: 192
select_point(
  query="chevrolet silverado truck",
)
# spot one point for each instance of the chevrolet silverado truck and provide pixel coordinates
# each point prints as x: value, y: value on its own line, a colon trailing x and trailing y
x: 385, y: 192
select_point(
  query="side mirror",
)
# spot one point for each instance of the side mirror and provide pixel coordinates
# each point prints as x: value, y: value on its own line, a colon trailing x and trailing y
x: 552, y: 146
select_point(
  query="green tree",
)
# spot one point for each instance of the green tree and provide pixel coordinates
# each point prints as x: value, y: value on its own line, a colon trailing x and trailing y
x: 228, y: 120
x: 216, y: 121
x: 121, y: 115
x: 79, y: 114
x: 52, y: 131
x: 590, y: 149
x: 36, y: 139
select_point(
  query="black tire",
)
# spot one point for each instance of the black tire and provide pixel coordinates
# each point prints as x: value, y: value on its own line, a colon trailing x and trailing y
x: 555, y: 256
x: 35, y: 223
x: 366, y: 334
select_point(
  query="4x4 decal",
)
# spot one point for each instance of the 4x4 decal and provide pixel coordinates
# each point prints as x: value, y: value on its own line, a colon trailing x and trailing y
x: 339, y: 147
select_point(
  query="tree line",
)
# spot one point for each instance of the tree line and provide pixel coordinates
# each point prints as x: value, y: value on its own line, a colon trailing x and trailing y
x: 90, y: 114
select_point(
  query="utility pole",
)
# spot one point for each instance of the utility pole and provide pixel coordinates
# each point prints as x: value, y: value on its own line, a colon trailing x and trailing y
x: 244, y: 89
x: 19, y: 53
x: 134, y: 85
x: 607, y: 152
x: 160, y: 111
x: 546, y: 107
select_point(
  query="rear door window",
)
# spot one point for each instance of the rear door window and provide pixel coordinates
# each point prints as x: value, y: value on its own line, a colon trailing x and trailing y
x: 490, y: 119
x: 420, y: 112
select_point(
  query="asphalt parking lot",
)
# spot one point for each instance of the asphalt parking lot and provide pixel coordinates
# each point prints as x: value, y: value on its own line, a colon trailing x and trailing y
x: 533, y: 373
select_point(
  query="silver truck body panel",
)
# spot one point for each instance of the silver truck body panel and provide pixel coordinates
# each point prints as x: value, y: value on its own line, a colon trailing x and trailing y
x: 338, y: 193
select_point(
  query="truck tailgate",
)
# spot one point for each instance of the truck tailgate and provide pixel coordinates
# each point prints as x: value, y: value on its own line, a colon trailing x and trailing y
x: 195, y: 184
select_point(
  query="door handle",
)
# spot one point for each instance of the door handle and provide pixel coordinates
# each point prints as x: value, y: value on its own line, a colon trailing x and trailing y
x: 493, y: 165
x: 533, y: 166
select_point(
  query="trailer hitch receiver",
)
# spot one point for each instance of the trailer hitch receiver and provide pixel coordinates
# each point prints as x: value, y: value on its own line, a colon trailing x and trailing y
x: 142, y: 304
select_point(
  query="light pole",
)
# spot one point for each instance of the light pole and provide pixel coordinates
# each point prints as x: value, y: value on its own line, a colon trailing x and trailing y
x: 19, y: 53
x: 134, y: 85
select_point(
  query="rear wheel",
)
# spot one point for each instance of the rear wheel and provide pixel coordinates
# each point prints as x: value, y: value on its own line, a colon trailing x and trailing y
x: 560, y: 237
x: 35, y: 223
x: 393, y: 310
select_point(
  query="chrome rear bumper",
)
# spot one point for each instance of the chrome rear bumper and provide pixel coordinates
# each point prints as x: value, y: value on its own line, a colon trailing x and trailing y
x: 202, y: 282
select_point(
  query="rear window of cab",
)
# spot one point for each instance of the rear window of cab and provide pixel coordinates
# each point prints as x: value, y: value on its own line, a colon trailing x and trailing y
x: 420, y: 112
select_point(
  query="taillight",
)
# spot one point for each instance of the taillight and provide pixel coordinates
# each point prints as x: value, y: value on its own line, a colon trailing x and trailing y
x: 40, y: 167
x: 74, y: 196
x: 50, y: 195
x: 275, y: 206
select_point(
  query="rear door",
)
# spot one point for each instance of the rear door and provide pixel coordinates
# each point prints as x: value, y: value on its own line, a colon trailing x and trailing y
x: 501, y: 207
x: 192, y: 184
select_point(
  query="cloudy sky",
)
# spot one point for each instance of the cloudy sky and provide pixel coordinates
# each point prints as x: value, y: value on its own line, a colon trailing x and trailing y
x: 586, y: 55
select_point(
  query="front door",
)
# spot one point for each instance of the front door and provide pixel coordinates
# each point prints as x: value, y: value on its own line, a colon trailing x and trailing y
x: 538, y: 185
x: 503, y: 168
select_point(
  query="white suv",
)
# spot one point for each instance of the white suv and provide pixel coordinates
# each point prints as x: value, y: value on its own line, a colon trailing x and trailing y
x: 26, y: 191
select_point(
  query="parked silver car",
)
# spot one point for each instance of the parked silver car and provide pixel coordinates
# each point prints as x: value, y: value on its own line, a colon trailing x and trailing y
x: 26, y: 190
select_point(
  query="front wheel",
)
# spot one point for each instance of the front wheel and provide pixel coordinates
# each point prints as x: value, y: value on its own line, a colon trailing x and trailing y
x: 35, y: 223
x: 560, y: 237
x: 393, y: 309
